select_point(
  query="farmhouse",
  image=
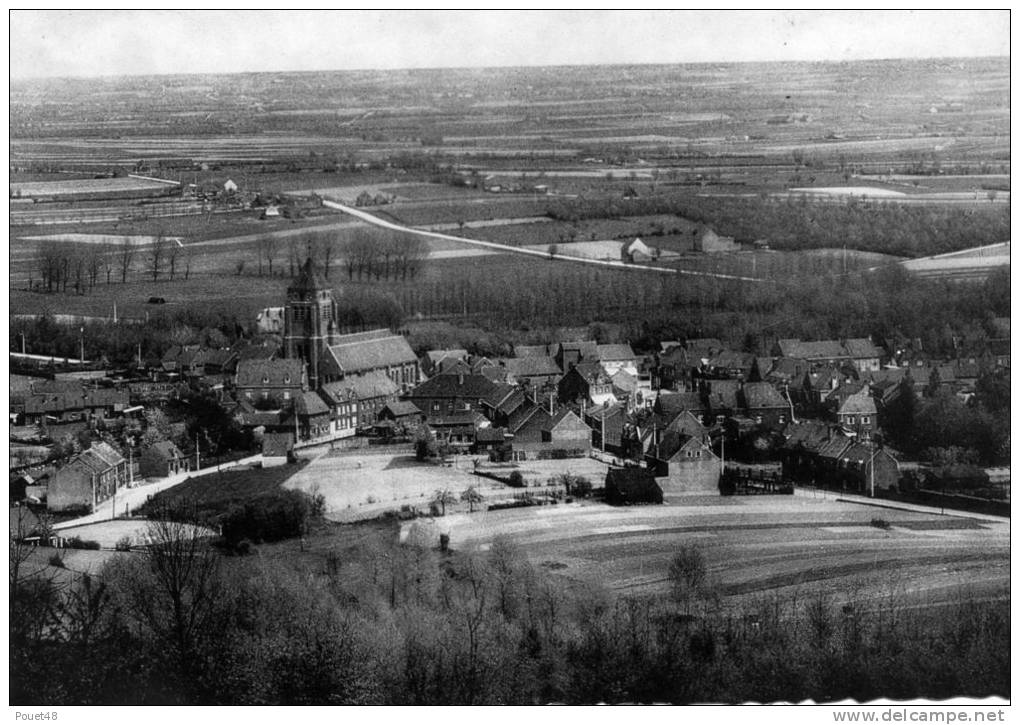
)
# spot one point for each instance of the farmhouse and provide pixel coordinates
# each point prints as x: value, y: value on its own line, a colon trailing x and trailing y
x: 636, y: 251
x: 684, y: 464
x: 706, y: 240
x: 586, y: 383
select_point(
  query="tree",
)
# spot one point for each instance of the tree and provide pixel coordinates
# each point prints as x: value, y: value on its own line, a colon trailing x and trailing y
x: 687, y: 575
x: 425, y: 445
x: 125, y: 258
x: 442, y: 497
x: 174, y: 588
x: 159, y: 250
x: 553, y: 249
x: 471, y: 497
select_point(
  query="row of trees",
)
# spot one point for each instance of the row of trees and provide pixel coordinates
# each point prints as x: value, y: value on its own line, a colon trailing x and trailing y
x: 363, y: 253
x: 380, y: 623
x: 84, y: 265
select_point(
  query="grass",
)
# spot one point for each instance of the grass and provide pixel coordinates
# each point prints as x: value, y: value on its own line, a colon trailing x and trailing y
x: 213, y: 495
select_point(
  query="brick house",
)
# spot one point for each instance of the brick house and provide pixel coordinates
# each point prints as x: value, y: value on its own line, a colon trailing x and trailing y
x: 88, y: 479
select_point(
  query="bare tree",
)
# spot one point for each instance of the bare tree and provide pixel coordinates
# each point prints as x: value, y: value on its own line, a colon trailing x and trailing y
x: 268, y: 248
x: 172, y: 253
x: 125, y: 257
x: 189, y: 255
x: 159, y: 251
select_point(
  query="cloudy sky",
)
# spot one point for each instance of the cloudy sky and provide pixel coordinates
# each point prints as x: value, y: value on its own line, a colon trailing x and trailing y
x: 89, y: 43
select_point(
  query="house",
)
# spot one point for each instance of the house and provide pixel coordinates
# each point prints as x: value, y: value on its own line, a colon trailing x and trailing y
x: 501, y: 402
x: 497, y: 442
x: 866, y: 468
x: 723, y: 397
x: 314, y: 421
x: 88, y: 479
x: 229, y: 187
x: 270, y: 381
x: 636, y: 251
x: 535, y: 373
x: 434, y: 362
x: 729, y: 364
x: 458, y: 429
x: 607, y: 424
x: 628, y: 486
x: 444, y: 395
x: 617, y: 357
x: 401, y: 413
x: 162, y: 459
x: 361, y: 397
x: 536, y: 351
x: 669, y: 405
x: 569, y: 354
x: 269, y: 321
x: 567, y: 430
x: 277, y: 448
x: 673, y: 369
x: 684, y: 464
x: 860, y: 352
x: 858, y: 413
x: 706, y: 240
x: 586, y: 383
x: 765, y: 405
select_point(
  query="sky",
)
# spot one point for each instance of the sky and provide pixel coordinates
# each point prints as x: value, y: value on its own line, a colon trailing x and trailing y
x: 114, y: 42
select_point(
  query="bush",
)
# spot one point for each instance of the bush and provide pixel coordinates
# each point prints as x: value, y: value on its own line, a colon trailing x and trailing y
x: 57, y: 561
x: 76, y: 542
x: 282, y: 515
x: 515, y: 479
x: 880, y: 523
x: 123, y: 544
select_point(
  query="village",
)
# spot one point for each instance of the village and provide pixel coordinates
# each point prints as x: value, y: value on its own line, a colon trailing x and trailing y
x: 692, y: 417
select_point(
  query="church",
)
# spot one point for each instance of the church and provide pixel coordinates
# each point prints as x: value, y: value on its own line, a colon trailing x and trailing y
x: 316, y: 383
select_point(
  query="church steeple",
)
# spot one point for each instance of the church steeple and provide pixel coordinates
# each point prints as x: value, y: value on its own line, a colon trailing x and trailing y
x: 309, y: 321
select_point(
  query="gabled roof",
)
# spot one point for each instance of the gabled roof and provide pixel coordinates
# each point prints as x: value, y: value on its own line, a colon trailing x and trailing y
x: 687, y: 423
x: 249, y: 351
x: 624, y: 381
x: 258, y: 373
x: 858, y: 403
x: 835, y: 446
x: 401, y: 408
x: 615, y: 353
x: 606, y: 411
x: 819, y: 349
x: 674, y: 403
x: 376, y: 349
x: 532, y: 366
x: 466, y: 418
x: 807, y: 434
x: 495, y: 373
x: 366, y: 386
x: 523, y: 351
x: 862, y: 348
x: 566, y: 414
x: 277, y: 444
x: 474, y: 387
x: 731, y: 359
x: 435, y: 356
x: 107, y: 453
x: 587, y: 349
x: 762, y: 395
x: 491, y: 435
x: 592, y: 372
x: 723, y: 393
x: 522, y: 415
x: 310, y: 403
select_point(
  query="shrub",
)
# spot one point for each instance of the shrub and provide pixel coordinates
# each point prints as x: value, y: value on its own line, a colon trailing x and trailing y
x: 76, y: 542
x: 281, y: 515
x: 57, y: 561
x: 123, y: 544
x: 880, y: 523
x: 515, y: 479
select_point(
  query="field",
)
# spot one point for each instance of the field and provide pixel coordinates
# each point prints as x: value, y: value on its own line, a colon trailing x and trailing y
x: 755, y: 545
x: 360, y: 486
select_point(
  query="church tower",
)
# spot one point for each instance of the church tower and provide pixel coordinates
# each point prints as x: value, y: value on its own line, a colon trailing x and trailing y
x: 309, y: 320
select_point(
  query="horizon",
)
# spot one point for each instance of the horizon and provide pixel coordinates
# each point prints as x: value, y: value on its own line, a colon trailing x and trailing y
x: 110, y: 44
x: 891, y: 59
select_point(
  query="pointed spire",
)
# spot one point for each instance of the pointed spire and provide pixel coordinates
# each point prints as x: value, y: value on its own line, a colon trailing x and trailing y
x: 309, y: 278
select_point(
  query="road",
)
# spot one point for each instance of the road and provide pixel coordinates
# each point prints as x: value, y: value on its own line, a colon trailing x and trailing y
x: 128, y: 499
x: 366, y: 217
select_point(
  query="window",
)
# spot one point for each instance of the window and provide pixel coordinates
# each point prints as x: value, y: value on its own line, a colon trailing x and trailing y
x: 265, y: 379
x: 247, y: 394
x: 853, y: 419
x: 865, y: 419
x: 286, y: 395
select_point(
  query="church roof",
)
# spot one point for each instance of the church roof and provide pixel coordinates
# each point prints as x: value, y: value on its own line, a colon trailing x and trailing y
x: 309, y: 278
